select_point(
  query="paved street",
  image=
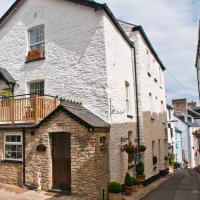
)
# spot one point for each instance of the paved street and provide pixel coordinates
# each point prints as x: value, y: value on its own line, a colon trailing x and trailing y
x: 184, y: 185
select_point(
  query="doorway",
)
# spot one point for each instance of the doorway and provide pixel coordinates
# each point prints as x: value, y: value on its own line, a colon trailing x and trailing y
x: 61, y: 157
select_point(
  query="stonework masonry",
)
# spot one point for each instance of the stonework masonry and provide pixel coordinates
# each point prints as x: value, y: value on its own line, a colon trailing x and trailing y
x: 119, y: 159
x: 89, y: 164
x: 155, y: 131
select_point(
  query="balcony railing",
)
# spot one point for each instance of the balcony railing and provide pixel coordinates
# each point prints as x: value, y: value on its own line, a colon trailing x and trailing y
x: 26, y: 108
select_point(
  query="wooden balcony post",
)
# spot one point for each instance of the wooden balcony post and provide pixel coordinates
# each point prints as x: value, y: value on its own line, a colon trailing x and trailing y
x: 36, y: 108
x: 12, y: 111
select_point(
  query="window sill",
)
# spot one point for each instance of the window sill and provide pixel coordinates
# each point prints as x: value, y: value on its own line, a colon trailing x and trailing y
x: 12, y: 161
x: 38, y: 59
x: 130, y: 116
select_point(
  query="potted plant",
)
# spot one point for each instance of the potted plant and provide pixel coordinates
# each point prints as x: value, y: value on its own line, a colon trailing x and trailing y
x: 114, y: 191
x: 186, y: 163
x: 128, y: 184
x: 134, y: 183
x: 140, y: 171
x: 34, y: 54
x: 142, y: 148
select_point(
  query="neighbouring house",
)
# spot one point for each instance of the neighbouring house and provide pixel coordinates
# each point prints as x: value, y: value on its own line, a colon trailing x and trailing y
x: 82, y: 85
x: 197, y: 63
x: 187, y: 124
x: 151, y: 100
x: 171, y: 131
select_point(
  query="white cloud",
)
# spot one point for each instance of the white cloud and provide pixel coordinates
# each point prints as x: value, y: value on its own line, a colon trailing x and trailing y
x: 172, y: 28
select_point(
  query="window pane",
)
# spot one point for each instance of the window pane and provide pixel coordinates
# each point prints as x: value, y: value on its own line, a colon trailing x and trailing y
x: 19, y: 155
x: 37, y: 35
x: 13, y: 151
x: 37, y: 88
x: 8, y: 138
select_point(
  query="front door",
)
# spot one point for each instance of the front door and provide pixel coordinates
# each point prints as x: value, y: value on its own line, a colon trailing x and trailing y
x: 61, y: 161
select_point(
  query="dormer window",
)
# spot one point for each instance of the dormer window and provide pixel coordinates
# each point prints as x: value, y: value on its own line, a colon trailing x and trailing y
x: 36, y: 38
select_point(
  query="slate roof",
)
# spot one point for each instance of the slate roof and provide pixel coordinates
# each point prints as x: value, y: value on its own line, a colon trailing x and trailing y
x: 128, y: 27
x: 193, y: 113
x: 178, y: 130
x: 99, y: 6
x: 81, y: 115
x: 169, y: 107
x: 181, y: 116
x: 7, y: 76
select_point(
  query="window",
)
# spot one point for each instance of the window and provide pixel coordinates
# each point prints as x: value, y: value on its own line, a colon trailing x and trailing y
x: 102, y: 141
x: 128, y: 102
x: 13, y: 147
x: 37, y: 88
x: 36, y: 38
x: 153, y: 148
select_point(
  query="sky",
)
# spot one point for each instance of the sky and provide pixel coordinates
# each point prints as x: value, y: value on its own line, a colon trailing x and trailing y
x: 172, y: 27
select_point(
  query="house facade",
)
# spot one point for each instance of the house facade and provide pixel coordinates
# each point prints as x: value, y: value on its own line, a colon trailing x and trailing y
x: 151, y: 100
x: 187, y: 122
x: 85, y: 55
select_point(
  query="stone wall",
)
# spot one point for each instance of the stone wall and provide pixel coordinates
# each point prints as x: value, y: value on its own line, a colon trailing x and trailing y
x: 10, y: 173
x: 89, y: 165
x: 119, y: 159
x: 154, y: 130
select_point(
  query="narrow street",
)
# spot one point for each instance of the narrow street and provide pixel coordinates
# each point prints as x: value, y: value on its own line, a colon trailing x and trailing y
x: 184, y: 185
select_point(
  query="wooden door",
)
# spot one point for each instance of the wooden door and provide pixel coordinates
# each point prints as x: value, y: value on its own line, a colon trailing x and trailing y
x: 61, y: 161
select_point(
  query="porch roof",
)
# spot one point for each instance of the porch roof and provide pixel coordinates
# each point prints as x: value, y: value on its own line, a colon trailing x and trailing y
x: 81, y: 115
x: 6, y: 76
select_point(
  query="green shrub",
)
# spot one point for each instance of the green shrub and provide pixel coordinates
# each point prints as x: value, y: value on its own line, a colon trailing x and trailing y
x: 134, y: 181
x: 176, y: 165
x: 128, y: 180
x: 166, y: 158
x: 139, y: 168
x: 155, y: 160
x: 142, y: 148
x: 114, y: 187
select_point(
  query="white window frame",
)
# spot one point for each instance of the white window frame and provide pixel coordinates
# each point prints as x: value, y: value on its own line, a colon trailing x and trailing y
x: 12, y: 143
x: 34, y: 82
x: 29, y: 37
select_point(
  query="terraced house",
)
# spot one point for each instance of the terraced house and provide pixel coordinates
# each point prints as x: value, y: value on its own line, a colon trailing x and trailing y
x: 81, y: 84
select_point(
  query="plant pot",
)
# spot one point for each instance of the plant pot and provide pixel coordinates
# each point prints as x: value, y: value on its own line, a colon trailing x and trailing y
x: 134, y: 188
x: 127, y: 190
x: 113, y: 196
x: 35, y: 57
x: 140, y: 177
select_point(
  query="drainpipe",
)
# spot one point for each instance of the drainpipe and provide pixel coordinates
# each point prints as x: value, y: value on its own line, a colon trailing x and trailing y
x: 24, y: 162
x: 135, y: 82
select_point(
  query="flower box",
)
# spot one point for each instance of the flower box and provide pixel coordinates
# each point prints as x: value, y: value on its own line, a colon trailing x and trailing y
x: 34, y: 54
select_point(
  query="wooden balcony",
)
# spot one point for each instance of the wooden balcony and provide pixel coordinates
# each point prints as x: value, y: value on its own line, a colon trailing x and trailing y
x: 26, y: 109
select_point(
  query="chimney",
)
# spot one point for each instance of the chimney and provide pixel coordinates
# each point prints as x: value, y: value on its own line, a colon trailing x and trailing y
x: 180, y: 105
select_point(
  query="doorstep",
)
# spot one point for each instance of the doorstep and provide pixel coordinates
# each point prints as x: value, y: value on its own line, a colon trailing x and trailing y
x: 145, y: 190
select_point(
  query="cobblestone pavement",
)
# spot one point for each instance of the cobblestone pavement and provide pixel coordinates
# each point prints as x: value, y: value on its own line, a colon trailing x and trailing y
x: 184, y: 185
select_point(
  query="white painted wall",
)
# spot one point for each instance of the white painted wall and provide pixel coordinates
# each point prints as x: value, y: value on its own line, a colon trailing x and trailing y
x: 171, y: 136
